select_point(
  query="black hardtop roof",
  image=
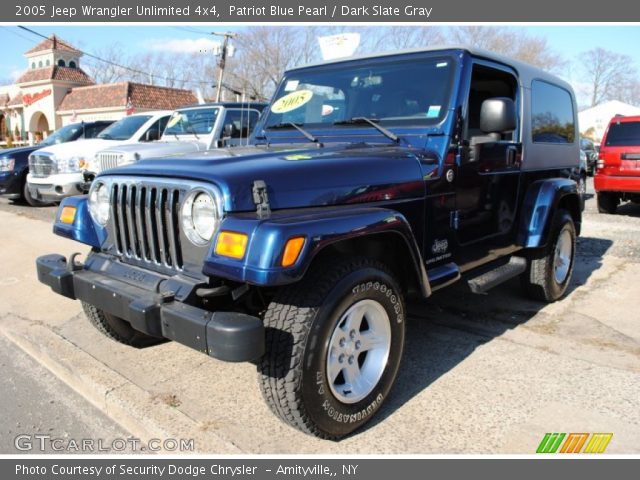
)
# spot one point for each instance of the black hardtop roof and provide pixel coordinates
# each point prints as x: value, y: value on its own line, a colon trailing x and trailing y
x: 526, y: 72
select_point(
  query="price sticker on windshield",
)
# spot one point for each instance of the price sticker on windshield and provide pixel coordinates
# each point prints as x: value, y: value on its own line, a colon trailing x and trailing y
x: 173, y: 121
x: 291, y: 101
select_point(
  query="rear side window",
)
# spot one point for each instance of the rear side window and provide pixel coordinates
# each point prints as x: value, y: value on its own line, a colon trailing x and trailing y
x: 552, y: 118
x: 623, y: 134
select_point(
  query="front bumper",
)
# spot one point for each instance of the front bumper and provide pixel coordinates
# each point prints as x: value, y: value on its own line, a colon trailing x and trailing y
x: 11, y: 184
x: 619, y: 184
x: 56, y: 187
x: 132, y: 294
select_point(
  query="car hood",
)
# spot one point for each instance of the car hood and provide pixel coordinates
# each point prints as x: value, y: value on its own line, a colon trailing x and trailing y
x: 296, y: 178
x: 10, y: 152
x: 82, y: 148
x: 158, y: 149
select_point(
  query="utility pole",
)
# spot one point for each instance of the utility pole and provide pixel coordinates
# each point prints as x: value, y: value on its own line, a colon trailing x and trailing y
x: 223, y: 60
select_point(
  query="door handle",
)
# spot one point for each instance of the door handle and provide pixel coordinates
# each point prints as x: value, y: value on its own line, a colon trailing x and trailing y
x: 511, y: 156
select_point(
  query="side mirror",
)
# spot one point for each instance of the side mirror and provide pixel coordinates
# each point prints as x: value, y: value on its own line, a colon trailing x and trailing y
x: 498, y: 115
x: 229, y: 131
x: 151, y: 135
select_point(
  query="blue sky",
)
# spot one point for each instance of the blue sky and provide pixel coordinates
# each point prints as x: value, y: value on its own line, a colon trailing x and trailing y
x: 568, y: 41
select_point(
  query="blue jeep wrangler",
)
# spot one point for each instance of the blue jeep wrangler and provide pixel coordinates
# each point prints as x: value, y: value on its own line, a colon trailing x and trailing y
x: 370, y: 180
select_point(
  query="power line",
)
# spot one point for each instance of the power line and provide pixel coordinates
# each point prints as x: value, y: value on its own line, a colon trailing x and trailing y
x: 124, y: 67
x: 191, y: 30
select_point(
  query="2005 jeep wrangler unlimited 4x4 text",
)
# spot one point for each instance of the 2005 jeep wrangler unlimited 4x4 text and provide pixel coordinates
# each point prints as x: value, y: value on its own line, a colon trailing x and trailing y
x: 370, y: 180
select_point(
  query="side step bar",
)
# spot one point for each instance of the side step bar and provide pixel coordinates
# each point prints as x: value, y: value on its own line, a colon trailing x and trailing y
x: 486, y: 281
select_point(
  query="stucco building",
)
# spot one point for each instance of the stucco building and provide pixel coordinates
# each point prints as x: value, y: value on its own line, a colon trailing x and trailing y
x: 55, y: 91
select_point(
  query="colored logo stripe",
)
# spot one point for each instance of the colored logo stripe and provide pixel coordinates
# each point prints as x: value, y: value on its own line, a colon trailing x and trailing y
x: 574, y: 442
x: 598, y: 442
x: 550, y: 443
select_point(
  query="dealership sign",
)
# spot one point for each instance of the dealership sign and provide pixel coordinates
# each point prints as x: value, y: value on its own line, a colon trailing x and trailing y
x: 31, y: 98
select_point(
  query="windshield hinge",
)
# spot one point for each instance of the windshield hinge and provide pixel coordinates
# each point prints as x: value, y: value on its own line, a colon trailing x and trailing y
x: 455, y: 219
x: 261, y: 199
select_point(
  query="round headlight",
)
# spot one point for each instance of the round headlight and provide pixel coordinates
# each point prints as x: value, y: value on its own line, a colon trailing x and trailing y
x: 200, y: 217
x: 99, y: 203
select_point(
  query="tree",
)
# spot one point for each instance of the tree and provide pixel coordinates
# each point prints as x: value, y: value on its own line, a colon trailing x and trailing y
x: 508, y: 41
x: 107, y: 72
x: 610, y: 75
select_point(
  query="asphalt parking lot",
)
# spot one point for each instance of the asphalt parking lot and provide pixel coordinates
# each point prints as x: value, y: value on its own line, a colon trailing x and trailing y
x: 481, y: 374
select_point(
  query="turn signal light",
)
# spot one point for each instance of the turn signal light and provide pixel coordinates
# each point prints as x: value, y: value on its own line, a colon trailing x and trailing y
x: 231, y: 244
x: 68, y: 215
x: 292, y: 250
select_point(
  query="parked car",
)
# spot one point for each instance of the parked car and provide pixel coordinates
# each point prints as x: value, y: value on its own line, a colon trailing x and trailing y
x: 371, y: 180
x: 617, y: 177
x: 57, y: 171
x: 189, y: 130
x: 590, y: 150
x: 14, y: 162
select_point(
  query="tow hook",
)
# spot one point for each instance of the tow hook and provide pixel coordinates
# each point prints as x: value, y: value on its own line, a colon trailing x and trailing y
x: 72, y: 265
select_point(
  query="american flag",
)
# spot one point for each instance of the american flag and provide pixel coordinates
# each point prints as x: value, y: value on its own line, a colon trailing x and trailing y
x: 130, y: 108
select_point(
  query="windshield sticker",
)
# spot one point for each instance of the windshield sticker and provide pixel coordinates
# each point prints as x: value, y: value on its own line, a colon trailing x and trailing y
x: 297, y: 157
x: 291, y: 101
x: 327, y: 110
x: 291, y: 85
x: 434, y: 111
x: 173, y: 121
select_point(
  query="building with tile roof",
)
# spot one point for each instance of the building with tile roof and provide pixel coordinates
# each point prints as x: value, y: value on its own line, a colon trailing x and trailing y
x: 55, y: 91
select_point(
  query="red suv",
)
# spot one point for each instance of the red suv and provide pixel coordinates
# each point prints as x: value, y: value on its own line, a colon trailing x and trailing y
x: 618, y: 169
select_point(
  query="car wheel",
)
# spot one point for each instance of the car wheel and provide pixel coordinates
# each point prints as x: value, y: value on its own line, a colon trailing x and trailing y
x: 334, y: 343
x: 549, y: 270
x: 118, y: 329
x: 33, y: 202
x: 607, y: 202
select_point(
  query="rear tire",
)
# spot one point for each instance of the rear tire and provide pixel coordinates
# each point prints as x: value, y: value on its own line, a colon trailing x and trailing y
x: 334, y: 344
x: 118, y: 329
x: 607, y: 203
x: 549, y: 270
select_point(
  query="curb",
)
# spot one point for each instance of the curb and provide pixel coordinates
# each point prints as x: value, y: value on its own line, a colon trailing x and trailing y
x: 133, y: 408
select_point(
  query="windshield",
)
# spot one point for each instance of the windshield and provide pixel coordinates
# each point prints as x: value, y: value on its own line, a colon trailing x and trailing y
x: 187, y: 122
x: 410, y: 92
x: 62, y: 135
x: 124, y: 128
x: 623, y: 134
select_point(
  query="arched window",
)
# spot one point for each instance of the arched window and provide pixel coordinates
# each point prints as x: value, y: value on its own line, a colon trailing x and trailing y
x: 72, y: 64
x: 61, y: 63
x: 40, y: 64
x: 33, y: 64
x: 48, y: 62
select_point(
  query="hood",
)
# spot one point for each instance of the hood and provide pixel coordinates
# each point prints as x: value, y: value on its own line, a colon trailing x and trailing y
x: 82, y: 148
x: 296, y: 178
x: 157, y: 149
x: 10, y: 152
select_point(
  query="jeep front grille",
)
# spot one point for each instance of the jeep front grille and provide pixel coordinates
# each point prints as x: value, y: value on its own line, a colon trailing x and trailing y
x: 108, y: 160
x: 146, y: 223
x: 41, y: 166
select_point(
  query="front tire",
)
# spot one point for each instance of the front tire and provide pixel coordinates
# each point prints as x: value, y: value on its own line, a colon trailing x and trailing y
x: 33, y: 202
x: 334, y: 345
x: 549, y: 270
x: 118, y: 329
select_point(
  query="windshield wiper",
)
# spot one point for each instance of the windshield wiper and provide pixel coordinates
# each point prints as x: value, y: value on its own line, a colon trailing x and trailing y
x: 306, y: 134
x: 193, y: 130
x: 360, y: 120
